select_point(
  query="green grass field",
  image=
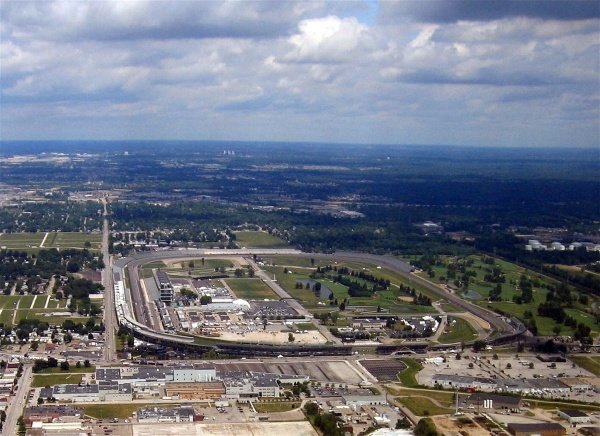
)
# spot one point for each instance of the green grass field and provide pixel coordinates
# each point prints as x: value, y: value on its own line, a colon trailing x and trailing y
x: 408, y: 376
x: 422, y: 406
x: 74, y: 240
x: 21, y: 240
x: 54, y: 240
x: 40, y: 302
x: 259, y: 240
x: 250, y: 289
x: 155, y: 264
x: 461, y: 331
x: 298, y: 261
x: 72, y: 370
x: 40, y: 381
x: 121, y: 411
x: 512, y: 274
x: 388, y: 299
x: 280, y: 406
x: 589, y: 363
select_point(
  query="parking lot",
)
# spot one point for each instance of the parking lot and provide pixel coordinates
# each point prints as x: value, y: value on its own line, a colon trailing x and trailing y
x: 506, y: 367
x: 383, y: 369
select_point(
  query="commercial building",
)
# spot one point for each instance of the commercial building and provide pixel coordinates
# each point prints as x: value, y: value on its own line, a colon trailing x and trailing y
x: 165, y: 288
x: 164, y: 414
x: 113, y: 391
x: 574, y: 416
x: 74, y: 393
x: 482, y: 401
x: 464, y: 382
x: 248, y: 386
x: 364, y: 397
x: 537, y: 429
x: 51, y: 413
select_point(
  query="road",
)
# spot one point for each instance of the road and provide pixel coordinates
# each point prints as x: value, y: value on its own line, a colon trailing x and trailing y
x: 144, y: 310
x: 15, y: 409
x: 110, y: 316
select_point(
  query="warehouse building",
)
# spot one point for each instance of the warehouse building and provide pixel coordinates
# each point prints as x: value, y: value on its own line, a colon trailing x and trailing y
x: 537, y: 429
x: 574, y: 416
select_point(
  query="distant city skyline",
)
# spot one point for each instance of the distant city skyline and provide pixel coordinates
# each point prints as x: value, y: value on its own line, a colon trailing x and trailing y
x: 465, y: 72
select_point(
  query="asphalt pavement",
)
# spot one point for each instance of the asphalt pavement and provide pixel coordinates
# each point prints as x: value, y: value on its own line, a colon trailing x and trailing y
x: 17, y: 402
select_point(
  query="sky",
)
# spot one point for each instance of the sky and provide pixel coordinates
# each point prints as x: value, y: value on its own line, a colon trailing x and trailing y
x: 464, y: 72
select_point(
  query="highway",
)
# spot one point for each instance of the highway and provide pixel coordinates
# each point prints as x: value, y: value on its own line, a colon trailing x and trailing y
x: 17, y: 403
x: 110, y: 317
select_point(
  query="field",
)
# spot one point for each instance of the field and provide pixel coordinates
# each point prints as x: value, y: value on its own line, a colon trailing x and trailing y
x: 259, y: 240
x: 408, y: 376
x: 72, y: 370
x: 298, y: 261
x: 512, y: 274
x: 281, y: 406
x: 589, y: 363
x: 73, y: 240
x: 388, y: 299
x: 423, y: 406
x: 121, y: 411
x: 250, y: 289
x: 21, y: 240
x: 25, y: 241
x: 40, y: 381
x: 194, y: 267
x: 478, y: 284
x: 461, y: 331
x: 21, y: 304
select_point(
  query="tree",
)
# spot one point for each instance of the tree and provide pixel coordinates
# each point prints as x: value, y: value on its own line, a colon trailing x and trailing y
x: 86, y: 363
x: 64, y: 365
x: 34, y: 346
x: 22, y: 427
x: 205, y: 299
x: 291, y: 337
x: 311, y: 408
x: 343, y: 306
x: 508, y: 366
x: 250, y: 271
x: 425, y: 427
x: 78, y: 364
x: 402, y: 424
x: 478, y: 346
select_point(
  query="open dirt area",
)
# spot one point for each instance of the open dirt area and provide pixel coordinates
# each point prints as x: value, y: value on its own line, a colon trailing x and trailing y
x: 451, y: 427
x: 302, y: 428
x: 274, y: 337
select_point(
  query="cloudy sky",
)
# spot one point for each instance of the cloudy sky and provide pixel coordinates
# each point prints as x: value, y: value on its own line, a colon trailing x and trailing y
x: 472, y: 72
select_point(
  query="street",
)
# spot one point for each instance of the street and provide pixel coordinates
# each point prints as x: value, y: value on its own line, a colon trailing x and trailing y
x: 110, y: 317
x: 17, y: 403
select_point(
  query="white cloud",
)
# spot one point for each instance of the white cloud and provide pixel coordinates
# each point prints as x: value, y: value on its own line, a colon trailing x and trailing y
x: 312, y: 71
